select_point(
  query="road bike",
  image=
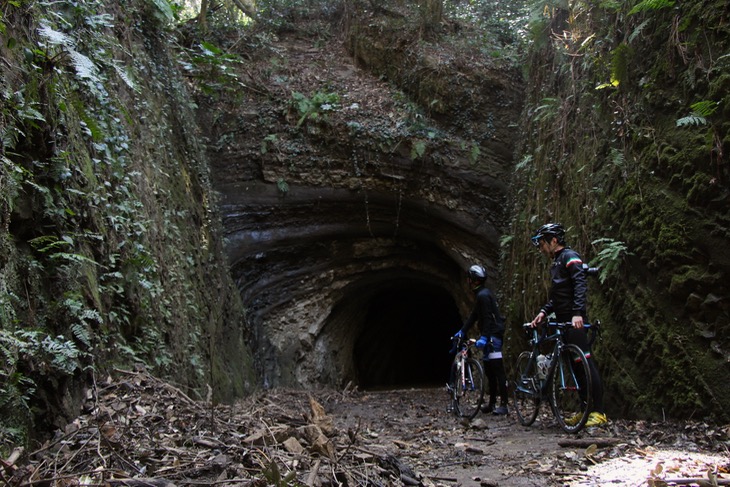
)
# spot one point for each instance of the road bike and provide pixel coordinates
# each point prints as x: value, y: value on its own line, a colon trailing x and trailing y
x: 466, y: 381
x: 561, y: 377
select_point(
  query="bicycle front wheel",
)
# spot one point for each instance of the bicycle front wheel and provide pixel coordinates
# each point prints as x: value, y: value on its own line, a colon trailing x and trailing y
x: 570, y: 389
x: 526, y: 389
x: 469, y: 393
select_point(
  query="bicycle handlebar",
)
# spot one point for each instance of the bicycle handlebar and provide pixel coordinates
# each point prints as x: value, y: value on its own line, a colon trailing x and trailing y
x: 594, y: 332
x: 556, y: 324
x: 461, y: 342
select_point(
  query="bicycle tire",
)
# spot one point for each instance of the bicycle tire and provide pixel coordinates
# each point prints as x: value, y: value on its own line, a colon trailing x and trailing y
x: 452, y: 388
x: 469, y: 395
x: 526, y: 394
x: 569, y: 400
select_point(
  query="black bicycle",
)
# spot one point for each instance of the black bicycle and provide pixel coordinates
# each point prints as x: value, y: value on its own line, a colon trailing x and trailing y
x: 561, y: 376
x: 466, y: 381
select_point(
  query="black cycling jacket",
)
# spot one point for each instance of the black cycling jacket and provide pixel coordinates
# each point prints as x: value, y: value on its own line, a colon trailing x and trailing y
x: 568, y: 290
x: 486, y: 311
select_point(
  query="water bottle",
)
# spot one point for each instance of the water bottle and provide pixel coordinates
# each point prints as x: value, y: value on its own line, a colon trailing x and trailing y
x: 542, y: 366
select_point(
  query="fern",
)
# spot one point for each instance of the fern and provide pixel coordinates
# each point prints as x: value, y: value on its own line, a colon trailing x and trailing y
x: 81, y: 332
x: 700, y: 111
x: 694, y: 120
x: 24, y: 354
x: 638, y: 30
x: 524, y: 163
x: 617, y: 157
x: 282, y: 186
x: 619, y: 64
x: 647, y: 5
x: 64, y: 353
x: 547, y: 111
x: 704, y: 108
x: 610, y: 257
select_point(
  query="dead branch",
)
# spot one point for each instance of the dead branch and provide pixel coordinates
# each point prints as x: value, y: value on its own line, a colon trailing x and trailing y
x: 586, y: 442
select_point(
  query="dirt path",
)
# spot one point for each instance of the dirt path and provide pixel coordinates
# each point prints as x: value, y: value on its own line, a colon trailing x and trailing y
x: 490, y: 450
x: 139, y: 431
x: 413, y: 425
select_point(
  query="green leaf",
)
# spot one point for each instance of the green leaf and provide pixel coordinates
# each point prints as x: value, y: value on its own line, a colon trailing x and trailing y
x: 646, y: 5
x: 693, y: 120
x: 282, y: 185
x: 704, y: 108
x: 418, y: 149
x: 163, y: 6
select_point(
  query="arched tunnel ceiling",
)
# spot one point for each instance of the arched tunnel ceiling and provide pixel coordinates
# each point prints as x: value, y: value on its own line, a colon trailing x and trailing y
x: 344, y: 286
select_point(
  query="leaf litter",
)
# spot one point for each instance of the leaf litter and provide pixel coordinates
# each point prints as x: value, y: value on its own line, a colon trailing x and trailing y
x: 138, y: 430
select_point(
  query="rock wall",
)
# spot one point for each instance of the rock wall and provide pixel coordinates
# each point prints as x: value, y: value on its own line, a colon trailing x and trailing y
x: 346, y: 185
x: 626, y: 142
x: 110, y: 235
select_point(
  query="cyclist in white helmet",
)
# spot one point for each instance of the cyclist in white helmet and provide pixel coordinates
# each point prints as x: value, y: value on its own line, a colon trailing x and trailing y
x: 491, y: 328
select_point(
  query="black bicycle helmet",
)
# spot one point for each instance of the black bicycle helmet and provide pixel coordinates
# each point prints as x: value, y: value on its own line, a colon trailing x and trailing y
x: 549, y: 230
x: 477, y: 273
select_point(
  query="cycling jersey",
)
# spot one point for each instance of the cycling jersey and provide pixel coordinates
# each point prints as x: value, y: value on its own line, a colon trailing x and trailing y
x: 486, y: 311
x: 568, y: 290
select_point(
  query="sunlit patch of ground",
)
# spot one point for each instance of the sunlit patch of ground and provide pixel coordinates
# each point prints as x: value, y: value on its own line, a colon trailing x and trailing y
x: 659, y: 468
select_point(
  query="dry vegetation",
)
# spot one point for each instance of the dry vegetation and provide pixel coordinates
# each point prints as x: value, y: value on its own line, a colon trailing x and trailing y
x: 141, y: 431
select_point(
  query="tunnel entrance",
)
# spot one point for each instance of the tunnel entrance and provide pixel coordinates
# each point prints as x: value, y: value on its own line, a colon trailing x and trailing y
x: 404, y: 340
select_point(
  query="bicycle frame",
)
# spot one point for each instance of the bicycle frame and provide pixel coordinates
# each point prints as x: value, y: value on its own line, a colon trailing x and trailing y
x: 565, y: 383
x: 466, y: 382
x: 535, y: 342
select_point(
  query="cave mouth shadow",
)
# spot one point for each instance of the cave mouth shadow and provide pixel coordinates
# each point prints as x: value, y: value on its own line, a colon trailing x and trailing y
x: 405, y: 337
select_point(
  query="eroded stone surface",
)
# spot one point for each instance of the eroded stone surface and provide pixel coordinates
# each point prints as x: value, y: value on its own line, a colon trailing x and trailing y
x: 372, y: 204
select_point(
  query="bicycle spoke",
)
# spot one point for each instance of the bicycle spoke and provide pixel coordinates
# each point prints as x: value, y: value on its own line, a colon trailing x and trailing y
x: 471, y: 390
x: 526, y: 394
x: 570, y: 389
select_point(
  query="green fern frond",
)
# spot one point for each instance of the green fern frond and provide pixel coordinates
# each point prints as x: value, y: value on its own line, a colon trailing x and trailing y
x: 548, y: 110
x: 524, y: 163
x: 646, y: 5
x: 693, y: 120
x: 64, y: 353
x: 82, y: 333
x: 617, y: 157
x: 620, y: 64
x: 638, y: 30
x: 704, y: 108
x: 610, y: 257
x: 282, y: 185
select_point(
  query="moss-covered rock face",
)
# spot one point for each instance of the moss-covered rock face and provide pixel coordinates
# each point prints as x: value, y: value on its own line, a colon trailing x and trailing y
x: 630, y: 146
x: 111, y: 254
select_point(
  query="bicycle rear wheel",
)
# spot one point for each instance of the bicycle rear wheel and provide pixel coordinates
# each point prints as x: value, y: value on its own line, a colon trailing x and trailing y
x: 526, y: 393
x: 469, y: 393
x: 570, y: 389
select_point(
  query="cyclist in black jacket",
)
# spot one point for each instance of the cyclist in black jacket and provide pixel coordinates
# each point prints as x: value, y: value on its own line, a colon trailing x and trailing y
x: 491, y: 328
x: 568, y: 300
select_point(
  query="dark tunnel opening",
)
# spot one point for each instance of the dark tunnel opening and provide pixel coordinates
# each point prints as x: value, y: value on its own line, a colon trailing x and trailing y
x: 404, y: 340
